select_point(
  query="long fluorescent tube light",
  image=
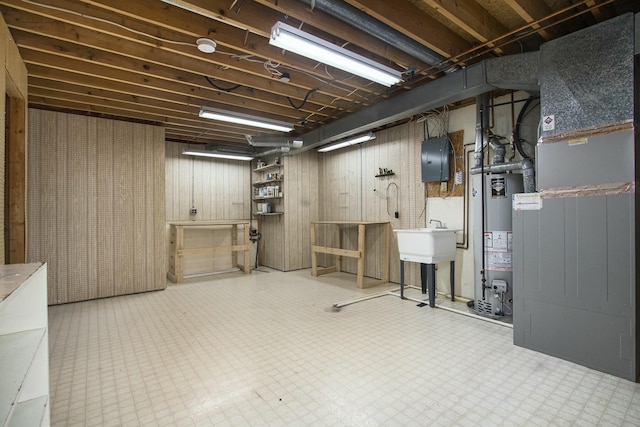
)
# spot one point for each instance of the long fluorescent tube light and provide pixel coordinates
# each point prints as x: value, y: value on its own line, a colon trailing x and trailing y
x: 294, y: 40
x: 244, y: 119
x: 217, y: 154
x: 346, y: 143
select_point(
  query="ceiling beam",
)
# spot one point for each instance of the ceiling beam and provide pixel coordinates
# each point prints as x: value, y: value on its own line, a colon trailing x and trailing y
x: 179, y: 56
x: 472, y: 18
x: 250, y: 18
x: 408, y: 19
x: 531, y: 11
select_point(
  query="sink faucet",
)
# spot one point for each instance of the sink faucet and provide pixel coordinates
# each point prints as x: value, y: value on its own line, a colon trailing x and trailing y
x: 438, y: 221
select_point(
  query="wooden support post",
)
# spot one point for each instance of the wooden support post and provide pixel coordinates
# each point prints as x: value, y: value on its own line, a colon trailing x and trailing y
x: 234, y: 242
x: 314, y: 254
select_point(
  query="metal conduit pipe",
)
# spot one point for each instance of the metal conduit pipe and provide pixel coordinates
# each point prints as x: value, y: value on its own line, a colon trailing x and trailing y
x: 356, y: 18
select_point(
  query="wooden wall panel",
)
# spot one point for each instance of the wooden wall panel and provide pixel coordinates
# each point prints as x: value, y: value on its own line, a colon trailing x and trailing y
x: 106, y: 220
x: 350, y: 190
x: 96, y: 205
x: 218, y: 188
x: 301, y: 207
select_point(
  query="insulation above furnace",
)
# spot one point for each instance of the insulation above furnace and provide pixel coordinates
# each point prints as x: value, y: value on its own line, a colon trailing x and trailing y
x: 586, y: 77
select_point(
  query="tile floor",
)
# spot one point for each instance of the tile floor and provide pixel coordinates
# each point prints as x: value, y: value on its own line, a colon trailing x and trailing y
x: 267, y: 350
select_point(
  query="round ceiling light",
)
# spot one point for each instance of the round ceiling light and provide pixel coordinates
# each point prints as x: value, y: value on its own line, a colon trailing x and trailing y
x: 206, y: 45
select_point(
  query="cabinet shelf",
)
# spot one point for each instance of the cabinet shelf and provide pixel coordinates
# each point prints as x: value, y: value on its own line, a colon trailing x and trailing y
x: 17, y: 351
x: 266, y: 182
x: 267, y: 198
x: 268, y: 167
x: 268, y: 214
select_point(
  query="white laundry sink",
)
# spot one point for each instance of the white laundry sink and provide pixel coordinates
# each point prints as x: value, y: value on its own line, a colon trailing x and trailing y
x: 427, y: 245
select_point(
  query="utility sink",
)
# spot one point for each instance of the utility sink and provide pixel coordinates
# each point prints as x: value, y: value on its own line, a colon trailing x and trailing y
x: 427, y: 245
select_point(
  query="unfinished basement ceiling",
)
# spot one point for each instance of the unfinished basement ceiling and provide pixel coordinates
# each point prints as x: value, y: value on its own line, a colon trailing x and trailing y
x: 138, y: 60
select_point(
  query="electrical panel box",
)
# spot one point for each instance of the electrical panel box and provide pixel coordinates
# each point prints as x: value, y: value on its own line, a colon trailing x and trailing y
x: 436, y: 155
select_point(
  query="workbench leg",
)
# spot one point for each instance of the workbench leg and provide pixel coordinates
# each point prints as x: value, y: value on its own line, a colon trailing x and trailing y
x: 386, y: 253
x: 452, y: 278
x: 234, y: 242
x: 178, y: 254
x: 361, y: 236
x: 314, y: 254
x: 337, y: 258
x: 401, y: 279
x: 431, y: 279
x: 247, y: 253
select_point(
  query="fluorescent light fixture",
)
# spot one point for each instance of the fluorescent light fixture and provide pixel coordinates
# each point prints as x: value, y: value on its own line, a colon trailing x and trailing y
x: 244, y: 119
x: 218, y: 155
x: 351, y: 141
x: 292, y: 39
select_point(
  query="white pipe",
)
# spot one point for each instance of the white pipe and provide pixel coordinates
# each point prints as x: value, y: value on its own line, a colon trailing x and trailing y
x: 363, y: 298
x: 392, y: 292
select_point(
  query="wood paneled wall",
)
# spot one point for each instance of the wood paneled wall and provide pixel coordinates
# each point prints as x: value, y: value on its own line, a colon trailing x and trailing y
x: 219, y: 189
x: 350, y: 191
x: 96, y: 205
x: 301, y: 207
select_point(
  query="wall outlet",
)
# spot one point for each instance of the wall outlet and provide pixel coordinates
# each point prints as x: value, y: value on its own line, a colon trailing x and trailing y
x: 193, y: 211
x: 443, y: 186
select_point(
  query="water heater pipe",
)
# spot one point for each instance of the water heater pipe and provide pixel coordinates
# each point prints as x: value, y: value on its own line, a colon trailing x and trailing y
x: 526, y: 166
x: 498, y: 150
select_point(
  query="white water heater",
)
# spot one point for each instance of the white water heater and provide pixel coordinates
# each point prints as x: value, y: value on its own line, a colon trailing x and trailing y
x: 495, y: 300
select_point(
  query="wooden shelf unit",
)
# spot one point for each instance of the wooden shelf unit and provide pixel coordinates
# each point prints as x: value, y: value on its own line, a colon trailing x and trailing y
x: 268, y: 185
x: 284, y: 244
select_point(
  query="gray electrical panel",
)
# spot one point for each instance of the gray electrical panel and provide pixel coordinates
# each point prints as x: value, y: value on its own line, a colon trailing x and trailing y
x: 436, y: 154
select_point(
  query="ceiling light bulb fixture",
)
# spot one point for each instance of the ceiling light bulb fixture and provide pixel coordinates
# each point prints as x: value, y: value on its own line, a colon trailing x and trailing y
x: 244, y: 119
x: 347, y: 142
x: 285, y: 77
x: 218, y: 155
x: 292, y: 39
x: 206, y: 45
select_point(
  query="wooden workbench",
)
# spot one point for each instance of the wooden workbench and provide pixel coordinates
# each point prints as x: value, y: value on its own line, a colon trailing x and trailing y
x: 177, y: 250
x: 359, y: 253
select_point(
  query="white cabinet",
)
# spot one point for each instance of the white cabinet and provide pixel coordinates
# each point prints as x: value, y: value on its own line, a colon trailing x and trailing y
x: 24, y: 345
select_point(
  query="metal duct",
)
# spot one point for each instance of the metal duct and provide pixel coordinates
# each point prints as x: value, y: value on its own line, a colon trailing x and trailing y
x: 473, y: 80
x: 279, y: 150
x: 482, y: 122
x: 356, y: 18
x: 498, y: 150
